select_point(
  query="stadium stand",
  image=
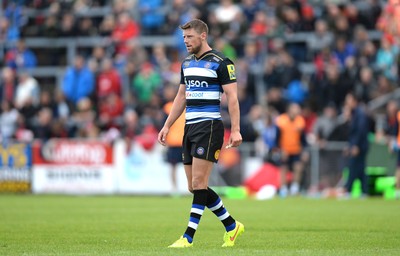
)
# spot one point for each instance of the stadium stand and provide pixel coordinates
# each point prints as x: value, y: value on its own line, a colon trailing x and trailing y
x: 319, y: 47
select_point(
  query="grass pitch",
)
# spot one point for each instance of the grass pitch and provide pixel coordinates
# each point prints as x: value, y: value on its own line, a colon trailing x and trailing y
x: 129, y: 225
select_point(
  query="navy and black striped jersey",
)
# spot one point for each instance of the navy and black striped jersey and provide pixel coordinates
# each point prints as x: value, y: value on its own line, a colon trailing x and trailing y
x: 204, y: 78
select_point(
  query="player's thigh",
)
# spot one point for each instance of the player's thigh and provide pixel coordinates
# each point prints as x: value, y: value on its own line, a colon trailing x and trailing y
x: 201, y: 170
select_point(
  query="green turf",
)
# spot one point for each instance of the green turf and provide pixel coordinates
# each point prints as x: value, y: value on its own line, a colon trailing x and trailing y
x: 68, y: 225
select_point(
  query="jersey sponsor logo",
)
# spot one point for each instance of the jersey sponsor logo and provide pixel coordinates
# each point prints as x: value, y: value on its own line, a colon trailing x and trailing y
x: 207, y: 65
x: 200, y: 151
x: 216, y: 155
x: 195, y: 83
x: 194, y: 94
x: 231, y: 71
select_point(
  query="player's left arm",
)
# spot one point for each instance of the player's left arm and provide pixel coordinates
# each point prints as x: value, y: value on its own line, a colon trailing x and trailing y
x: 234, y: 113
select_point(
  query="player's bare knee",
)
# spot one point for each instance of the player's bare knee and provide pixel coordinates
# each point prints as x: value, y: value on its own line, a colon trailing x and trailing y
x: 198, y: 184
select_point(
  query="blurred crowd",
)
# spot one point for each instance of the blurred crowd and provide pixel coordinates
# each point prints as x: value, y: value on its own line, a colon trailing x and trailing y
x: 118, y: 89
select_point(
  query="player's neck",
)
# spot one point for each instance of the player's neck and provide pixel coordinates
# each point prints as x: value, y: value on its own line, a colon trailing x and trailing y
x: 203, y: 50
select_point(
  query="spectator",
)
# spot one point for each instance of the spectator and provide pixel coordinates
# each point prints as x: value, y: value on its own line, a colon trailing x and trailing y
x: 384, y: 87
x: 108, y: 80
x: 366, y: 85
x: 320, y: 39
x: 387, y: 56
x: 226, y: 48
x: 94, y: 62
x: 63, y: 111
x: 389, y: 128
x: 46, y: 101
x: 68, y: 26
x: 367, y: 55
x: 83, y: 118
x: 86, y: 28
x: 130, y: 128
x: 250, y: 9
x: 107, y: 26
x: 111, y: 109
x: 78, y: 82
x: 152, y: 16
x: 6, y: 34
x: 20, y: 57
x: 8, y: 85
x: 42, y: 127
x: 225, y: 13
x: 307, y: 18
x: 16, y: 20
x: 342, y: 28
x: 8, y: 121
x: 124, y: 30
x: 27, y: 92
x: 259, y: 25
x: 343, y: 50
x: 292, y: 20
x: 145, y: 83
x: 50, y: 28
x: 325, y: 124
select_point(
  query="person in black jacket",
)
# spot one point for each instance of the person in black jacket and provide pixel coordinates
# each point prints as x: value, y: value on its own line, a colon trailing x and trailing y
x: 357, y: 143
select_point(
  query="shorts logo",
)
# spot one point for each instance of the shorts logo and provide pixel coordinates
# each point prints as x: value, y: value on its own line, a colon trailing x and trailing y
x: 216, y: 155
x: 200, y: 151
x: 183, y: 157
x: 231, y: 71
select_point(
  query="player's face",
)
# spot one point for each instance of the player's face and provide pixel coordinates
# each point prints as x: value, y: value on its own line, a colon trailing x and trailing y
x: 192, y: 40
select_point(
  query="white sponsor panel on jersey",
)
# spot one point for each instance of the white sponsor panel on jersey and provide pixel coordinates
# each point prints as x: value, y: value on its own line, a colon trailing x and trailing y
x: 192, y: 95
x: 205, y: 72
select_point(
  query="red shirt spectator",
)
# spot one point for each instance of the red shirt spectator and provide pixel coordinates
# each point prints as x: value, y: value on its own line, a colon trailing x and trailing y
x: 109, y: 80
x: 110, y: 110
x: 124, y: 30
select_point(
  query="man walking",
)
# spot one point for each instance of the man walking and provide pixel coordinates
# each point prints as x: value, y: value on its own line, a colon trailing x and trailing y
x: 205, y: 75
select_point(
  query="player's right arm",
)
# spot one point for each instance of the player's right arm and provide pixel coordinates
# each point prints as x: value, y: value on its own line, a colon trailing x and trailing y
x: 178, y: 106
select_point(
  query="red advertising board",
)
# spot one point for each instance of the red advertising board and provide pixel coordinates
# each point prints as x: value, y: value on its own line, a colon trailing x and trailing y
x: 73, y: 167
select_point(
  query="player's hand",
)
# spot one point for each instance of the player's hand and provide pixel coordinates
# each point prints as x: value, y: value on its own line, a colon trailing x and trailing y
x: 234, y: 140
x: 354, y: 151
x: 162, y: 135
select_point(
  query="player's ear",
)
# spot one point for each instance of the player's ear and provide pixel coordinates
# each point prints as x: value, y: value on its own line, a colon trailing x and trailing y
x: 203, y: 36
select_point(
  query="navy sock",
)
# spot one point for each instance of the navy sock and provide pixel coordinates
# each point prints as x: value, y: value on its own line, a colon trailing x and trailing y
x: 198, y: 206
x: 214, y: 203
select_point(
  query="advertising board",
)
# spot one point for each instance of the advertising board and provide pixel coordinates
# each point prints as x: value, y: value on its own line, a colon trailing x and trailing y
x: 73, y: 167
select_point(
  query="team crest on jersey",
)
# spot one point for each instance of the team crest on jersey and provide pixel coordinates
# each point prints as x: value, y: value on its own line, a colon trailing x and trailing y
x: 216, y: 155
x: 207, y: 65
x: 200, y: 151
x: 186, y: 64
x: 231, y: 71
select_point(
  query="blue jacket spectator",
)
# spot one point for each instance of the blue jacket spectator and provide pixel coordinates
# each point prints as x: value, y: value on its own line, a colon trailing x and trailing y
x: 78, y: 81
x: 152, y: 17
x: 20, y: 57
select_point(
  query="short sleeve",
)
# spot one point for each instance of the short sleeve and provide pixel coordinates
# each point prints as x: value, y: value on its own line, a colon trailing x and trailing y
x: 226, y: 72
